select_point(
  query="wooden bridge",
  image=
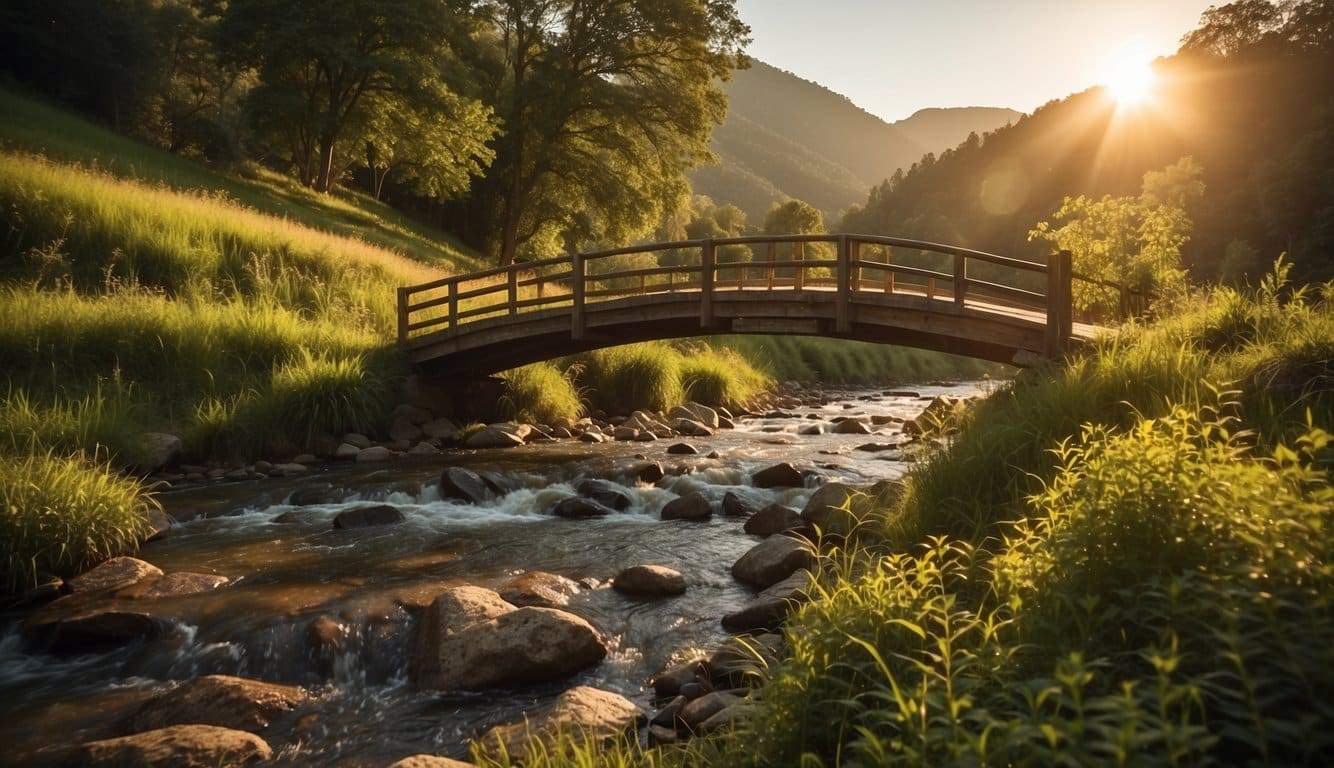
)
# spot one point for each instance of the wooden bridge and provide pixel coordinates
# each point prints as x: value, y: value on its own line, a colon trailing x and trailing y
x: 864, y: 287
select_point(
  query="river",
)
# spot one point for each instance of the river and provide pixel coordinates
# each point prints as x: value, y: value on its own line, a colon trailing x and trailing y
x: 364, y: 711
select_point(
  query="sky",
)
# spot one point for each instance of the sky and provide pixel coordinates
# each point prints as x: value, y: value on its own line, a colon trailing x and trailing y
x: 893, y: 57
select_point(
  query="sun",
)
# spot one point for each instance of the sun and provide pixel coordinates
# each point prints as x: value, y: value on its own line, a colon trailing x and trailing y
x: 1130, y: 78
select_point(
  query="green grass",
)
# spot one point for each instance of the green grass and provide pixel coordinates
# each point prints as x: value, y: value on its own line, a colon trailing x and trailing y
x: 657, y: 376
x: 32, y: 127
x: 59, y: 515
x: 540, y: 393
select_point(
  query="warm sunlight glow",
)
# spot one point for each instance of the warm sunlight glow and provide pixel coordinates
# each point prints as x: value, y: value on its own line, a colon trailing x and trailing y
x: 1130, y: 78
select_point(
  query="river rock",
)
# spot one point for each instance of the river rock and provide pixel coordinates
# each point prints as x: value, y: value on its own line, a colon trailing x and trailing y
x: 706, y: 706
x: 157, y: 450
x: 592, y: 437
x: 604, y: 493
x: 464, y: 484
x: 624, y: 433
x: 159, y: 524
x: 881, y: 419
x: 827, y: 509
x: 577, y: 507
x: 669, y: 681
x: 441, y: 429
x: 179, y: 746
x: 472, y: 639
x: 811, y: 429
x: 357, y: 439
x: 115, y: 573
x: 702, y: 414
x: 772, y: 560
x: 774, y: 518
x: 782, y: 475
x: 96, y: 630
x: 649, y: 581
x: 733, y: 506
x: 177, y: 584
x: 403, y: 429
x: 851, y: 427
x: 594, y: 714
x: 375, y: 453
x: 297, y: 517
x: 720, y: 720
x: 682, y: 449
x: 539, y: 588
x: 691, y: 427
x: 220, y: 700
x: 346, y: 451
x: 430, y: 761
x: 771, y: 608
x: 504, y: 435
x: 411, y: 413
x: 368, y: 516
x: 692, y: 506
x: 648, y: 472
x: 743, y: 661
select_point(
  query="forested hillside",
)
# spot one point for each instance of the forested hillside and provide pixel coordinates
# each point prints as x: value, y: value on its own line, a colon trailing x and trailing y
x: 1250, y: 102
x: 789, y: 137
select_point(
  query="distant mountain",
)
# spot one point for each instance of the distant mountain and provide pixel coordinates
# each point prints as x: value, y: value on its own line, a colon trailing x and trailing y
x: 789, y: 137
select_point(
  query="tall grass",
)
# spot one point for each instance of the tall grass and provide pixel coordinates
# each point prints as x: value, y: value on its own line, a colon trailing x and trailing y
x: 719, y: 376
x: 656, y: 376
x: 33, y: 127
x: 540, y: 393
x: 60, y: 514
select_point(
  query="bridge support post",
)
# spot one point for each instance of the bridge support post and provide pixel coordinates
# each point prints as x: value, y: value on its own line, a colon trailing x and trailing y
x: 960, y: 280
x: 843, y: 294
x: 402, y: 316
x: 707, y: 259
x: 514, y: 289
x: 1060, y: 312
x: 577, y: 289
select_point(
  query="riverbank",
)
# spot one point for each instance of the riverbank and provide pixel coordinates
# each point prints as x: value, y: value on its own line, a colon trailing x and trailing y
x: 271, y: 579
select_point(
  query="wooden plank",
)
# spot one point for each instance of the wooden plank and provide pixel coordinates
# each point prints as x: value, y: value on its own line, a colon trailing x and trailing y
x: 513, y: 291
x: 960, y: 279
x: 771, y: 325
x: 843, y: 307
x: 577, y: 309
x: 402, y: 316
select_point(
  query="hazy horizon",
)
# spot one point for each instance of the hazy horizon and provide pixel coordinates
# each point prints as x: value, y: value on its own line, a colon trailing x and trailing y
x: 895, y: 58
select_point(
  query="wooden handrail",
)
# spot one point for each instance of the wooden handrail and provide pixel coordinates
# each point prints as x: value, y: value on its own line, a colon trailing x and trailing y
x: 951, y: 289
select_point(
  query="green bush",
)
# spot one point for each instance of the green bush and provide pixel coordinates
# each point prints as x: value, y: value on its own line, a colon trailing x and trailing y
x: 59, y: 515
x: 719, y: 377
x: 625, y: 379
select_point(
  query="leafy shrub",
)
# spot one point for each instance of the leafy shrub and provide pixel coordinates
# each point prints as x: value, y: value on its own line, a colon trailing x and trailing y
x: 540, y: 393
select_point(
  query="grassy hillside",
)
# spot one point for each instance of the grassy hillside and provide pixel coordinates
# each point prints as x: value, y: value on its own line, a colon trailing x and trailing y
x: 33, y: 127
x: 787, y: 137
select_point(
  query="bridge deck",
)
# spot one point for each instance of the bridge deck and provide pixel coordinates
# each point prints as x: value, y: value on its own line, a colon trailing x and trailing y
x: 488, y: 321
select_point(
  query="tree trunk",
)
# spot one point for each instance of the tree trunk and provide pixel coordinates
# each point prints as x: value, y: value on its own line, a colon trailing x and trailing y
x: 324, y: 182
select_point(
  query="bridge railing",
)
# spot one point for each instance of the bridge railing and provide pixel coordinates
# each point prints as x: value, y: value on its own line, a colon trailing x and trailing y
x: 851, y: 267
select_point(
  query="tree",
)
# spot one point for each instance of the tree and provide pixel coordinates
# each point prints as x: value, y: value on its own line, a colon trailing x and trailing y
x: 436, y: 148
x: 795, y: 217
x: 1226, y: 30
x: 1131, y: 241
x: 323, y: 68
x: 605, y: 104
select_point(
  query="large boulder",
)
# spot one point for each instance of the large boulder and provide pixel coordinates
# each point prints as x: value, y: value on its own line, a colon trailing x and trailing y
x: 706, y: 706
x: 180, y: 746
x: 692, y: 506
x: 668, y: 682
x: 374, y: 454
x: 696, y: 412
x: 115, y: 573
x: 539, y: 588
x: 851, y: 427
x: 221, y: 700
x: 771, y: 608
x: 505, y: 435
x: 772, y: 560
x: 734, y: 506
x: 463, y: 484
x: 691, y: 427
x: 774, y: 518
x: 177, y: 584
x: 157, y: 450
x: 829, y: 508
x: 782, y: 475
x: 603, y: 492
x: 403, y: 429
x: 471, y: 639
x: 441, y: 429
x: 367, y: 517
x: 577, y: 507
x: 91, y: 631
x: 648, y: 472
x: 649, y: 581
x: 594, y: 714
x: 682, y: 449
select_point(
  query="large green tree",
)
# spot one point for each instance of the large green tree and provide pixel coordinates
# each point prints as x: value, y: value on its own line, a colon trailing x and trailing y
x: 604, y: 105
x: 327, y: 71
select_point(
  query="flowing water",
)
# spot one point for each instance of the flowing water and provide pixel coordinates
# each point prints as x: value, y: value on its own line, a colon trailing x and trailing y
x: 365, y: 712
